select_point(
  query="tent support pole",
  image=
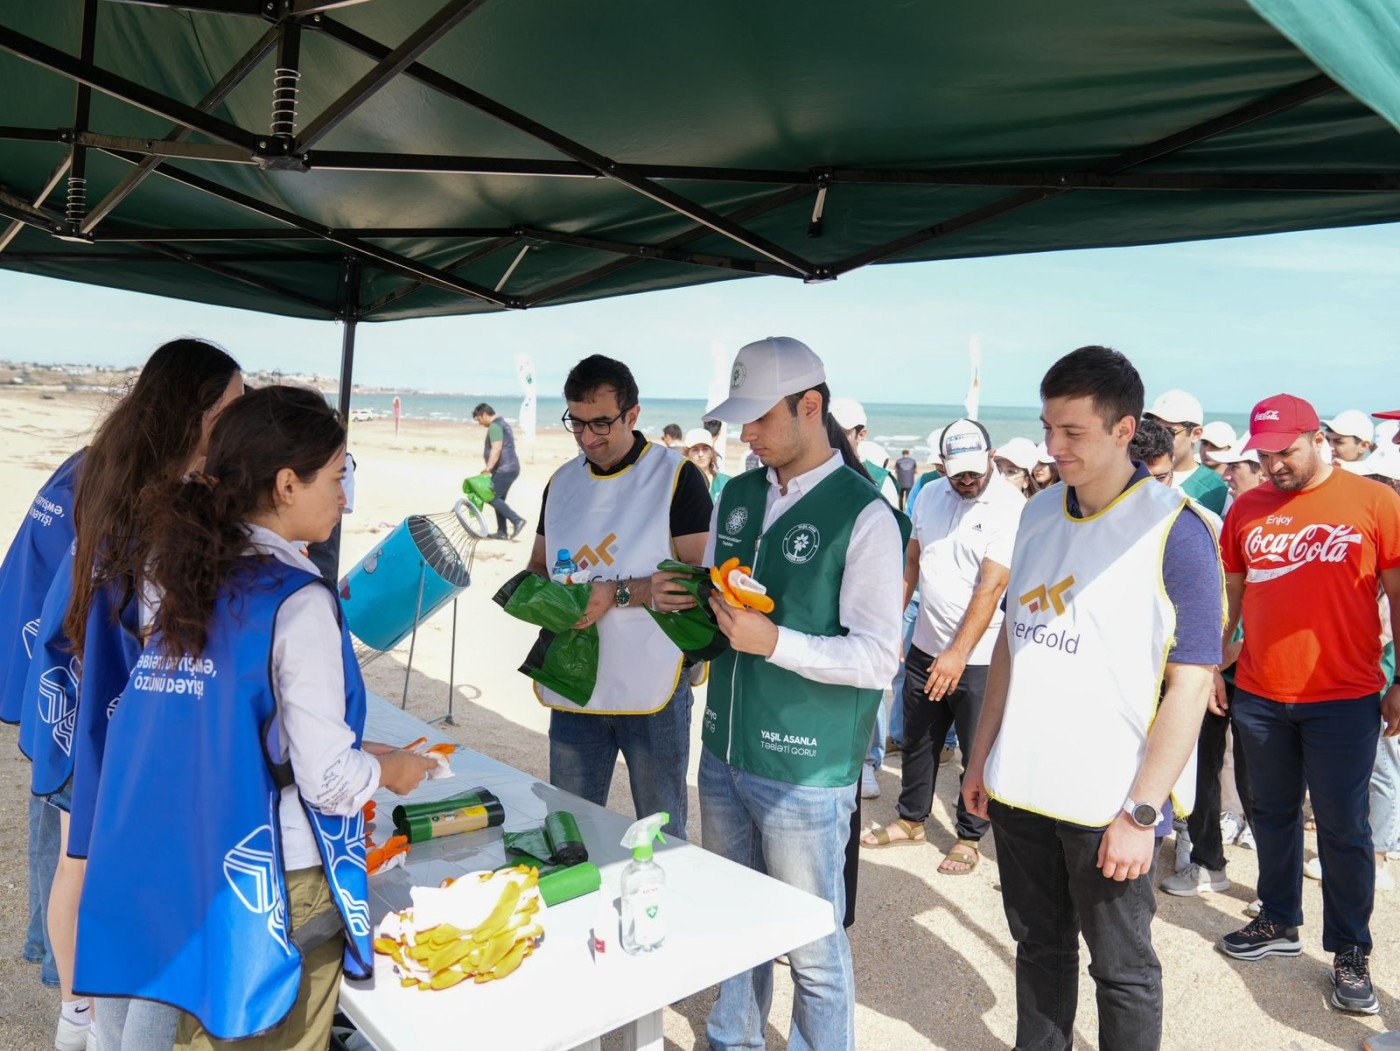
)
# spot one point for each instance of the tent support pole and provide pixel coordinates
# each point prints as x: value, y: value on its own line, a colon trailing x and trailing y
x: 350, y: 314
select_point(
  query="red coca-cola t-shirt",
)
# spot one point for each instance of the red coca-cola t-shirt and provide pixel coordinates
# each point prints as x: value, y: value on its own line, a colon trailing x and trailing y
x: 1311, y: 561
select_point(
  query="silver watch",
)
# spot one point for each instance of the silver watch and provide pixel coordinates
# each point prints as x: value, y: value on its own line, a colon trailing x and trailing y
x: 1143, y: 815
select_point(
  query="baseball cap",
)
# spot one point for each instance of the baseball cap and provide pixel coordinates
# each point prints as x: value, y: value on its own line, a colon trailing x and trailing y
x: 1382, y: 462
x: 1236, y: 452
x: 763, y: 374
x: 965, y: 447
x: 1019, y: 451
x: 699, y: 436
x: 1386, y: 431
x: 1176, y: 406
x: 1276, y: 422
x: 1353, y: 423
x: 848, y: 412
x: 1218, y: 433
x: 933, y: 453
x: 1043, y: 454
x: 1389, y: 414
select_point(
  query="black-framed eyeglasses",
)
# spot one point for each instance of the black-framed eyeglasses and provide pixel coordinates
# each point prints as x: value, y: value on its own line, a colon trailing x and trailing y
x: 599, y: 426
x: 1177, y: 429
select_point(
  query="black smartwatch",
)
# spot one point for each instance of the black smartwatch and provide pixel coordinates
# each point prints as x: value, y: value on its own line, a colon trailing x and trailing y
x: 1143, y: 815
x: 623, y: 595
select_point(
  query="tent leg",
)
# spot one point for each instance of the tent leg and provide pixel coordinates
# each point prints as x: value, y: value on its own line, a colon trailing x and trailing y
x: 347, y: 366
x: 451, y: 672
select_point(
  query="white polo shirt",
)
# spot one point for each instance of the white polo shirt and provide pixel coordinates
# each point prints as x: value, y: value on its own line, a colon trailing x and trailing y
x: 955, y: 535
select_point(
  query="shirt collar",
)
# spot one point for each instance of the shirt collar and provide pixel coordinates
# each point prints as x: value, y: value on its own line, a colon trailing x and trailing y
x: 264, y: 541
x: 807, y: 481
x: 1072, y: 498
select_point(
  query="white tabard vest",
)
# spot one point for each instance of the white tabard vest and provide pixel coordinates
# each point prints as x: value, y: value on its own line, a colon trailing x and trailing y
x: 619, y: 526
x: 1089, y: 627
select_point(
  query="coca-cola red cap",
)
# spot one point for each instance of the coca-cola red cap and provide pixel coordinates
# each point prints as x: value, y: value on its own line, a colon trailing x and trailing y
x: 1393, y: 414
x: 1276, y: 422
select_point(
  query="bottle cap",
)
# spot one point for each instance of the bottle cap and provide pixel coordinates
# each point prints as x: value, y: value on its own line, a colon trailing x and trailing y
x: 640, y: 835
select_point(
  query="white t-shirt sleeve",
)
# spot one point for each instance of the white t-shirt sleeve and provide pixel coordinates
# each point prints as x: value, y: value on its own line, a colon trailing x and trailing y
x: 333, y: 775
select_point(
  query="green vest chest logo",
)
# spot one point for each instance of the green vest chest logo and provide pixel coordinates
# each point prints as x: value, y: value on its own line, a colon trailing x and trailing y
x: 738, y: 518
x: 800, y: 543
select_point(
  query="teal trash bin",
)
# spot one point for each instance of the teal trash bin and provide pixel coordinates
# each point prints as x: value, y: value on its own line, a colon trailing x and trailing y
x: 407, y: 577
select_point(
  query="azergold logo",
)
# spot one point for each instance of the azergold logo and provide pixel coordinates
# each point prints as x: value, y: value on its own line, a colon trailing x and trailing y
x: 587, y: 556
x: 1039, y: 598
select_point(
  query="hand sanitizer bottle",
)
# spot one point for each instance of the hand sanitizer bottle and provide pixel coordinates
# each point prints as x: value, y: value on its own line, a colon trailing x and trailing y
x: 643, y: 887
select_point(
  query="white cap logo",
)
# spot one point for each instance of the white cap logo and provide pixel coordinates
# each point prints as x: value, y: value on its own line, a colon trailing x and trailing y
x: 1267, y: 414
x: 736, y: 378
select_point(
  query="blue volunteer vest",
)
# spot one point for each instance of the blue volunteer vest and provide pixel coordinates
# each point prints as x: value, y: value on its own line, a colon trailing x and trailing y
x: 39, y: 545
x: 56, y: 732
x: 203, y: 925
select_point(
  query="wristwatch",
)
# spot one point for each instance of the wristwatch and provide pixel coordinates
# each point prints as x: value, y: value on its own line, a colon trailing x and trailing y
x: 1143, y: 815
x: 623, y: 595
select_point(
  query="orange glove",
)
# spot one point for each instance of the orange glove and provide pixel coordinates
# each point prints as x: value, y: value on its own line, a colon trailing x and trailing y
x: 738, y: 588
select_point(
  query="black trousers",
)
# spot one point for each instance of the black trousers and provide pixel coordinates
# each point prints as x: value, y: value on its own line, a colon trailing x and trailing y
x: 1207, y: 848
x: 501, y: 481
x: 1052, y: 891
x: 926, y: 725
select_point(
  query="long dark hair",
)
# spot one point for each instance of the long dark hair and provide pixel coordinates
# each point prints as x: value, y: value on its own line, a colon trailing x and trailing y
x: 835, y: 435
x: 196, y: 525
x: 148, y: 437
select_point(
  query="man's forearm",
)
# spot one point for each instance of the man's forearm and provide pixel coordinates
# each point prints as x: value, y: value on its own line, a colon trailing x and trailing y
x: 976, y: 619
x: 1174, y: 732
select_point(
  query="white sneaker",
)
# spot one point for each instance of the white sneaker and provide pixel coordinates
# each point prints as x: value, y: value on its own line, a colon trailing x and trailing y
x: 1313, y: 869
x: 1254, y: 908
x: 1246, y: 839
x: 71, y: 1036
x: 1193, y: 880
x: 869, y: 787
x: 1231, y: 825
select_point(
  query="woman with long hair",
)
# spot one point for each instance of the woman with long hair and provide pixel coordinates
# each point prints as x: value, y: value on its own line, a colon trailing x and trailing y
x: 90, y: 621
x: 1016, y: 460
x: 700, y: 450
x: 243, y: 722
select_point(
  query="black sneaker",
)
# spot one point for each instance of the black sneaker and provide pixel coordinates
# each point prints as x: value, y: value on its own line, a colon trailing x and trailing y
x: 1259, y: 938
x: 516, y: 529
x: 1351, y: 983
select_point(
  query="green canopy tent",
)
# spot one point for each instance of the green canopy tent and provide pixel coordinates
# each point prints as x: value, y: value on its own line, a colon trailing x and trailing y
x: 369, y: 160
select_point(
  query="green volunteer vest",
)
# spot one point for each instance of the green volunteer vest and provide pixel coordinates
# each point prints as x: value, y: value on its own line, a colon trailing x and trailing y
x: 877, y: 474
x: 1207, y: 489
x: 762, y: 718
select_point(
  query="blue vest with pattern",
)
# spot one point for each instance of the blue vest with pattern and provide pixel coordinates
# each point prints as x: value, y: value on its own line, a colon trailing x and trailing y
x: 185, y: 899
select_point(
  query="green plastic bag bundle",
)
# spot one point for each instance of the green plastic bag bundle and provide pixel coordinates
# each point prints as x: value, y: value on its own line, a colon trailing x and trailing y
x: 564, y: 882
x: 557, y: 842
x: 694, y: 631
x: 563, y: 659
x: 474, y: 809
x: 478, y: 489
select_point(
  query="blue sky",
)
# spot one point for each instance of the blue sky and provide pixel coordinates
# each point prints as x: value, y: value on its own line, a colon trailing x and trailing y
x: 1316, y: 314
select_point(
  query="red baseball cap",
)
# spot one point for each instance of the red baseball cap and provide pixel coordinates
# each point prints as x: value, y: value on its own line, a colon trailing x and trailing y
x: 1276, y: 422
x: 1393, y: 414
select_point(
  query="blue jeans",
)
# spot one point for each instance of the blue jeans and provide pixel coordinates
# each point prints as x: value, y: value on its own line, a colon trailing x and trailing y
x: 124, y: 1024
x: 1052, y: 891
x: 796, y: 834
x: 43, y: 860
x: 583, y: 751
x: 1333, y: 745
x: 891, y: 724
x: 1385, y: 796
x: 502, y: 478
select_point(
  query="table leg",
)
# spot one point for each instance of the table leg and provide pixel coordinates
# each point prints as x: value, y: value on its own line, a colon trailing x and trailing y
x: 644, y: 1034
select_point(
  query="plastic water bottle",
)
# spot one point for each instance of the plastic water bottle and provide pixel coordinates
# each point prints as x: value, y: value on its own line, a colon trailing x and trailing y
x: 643, y: 887
x: 564, y: 567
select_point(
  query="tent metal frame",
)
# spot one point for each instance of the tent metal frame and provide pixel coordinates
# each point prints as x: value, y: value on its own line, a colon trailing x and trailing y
x: 282, y: 148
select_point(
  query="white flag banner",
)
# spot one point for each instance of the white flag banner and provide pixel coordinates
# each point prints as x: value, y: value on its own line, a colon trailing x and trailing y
x: 972, y: 403
x: 525, y: 372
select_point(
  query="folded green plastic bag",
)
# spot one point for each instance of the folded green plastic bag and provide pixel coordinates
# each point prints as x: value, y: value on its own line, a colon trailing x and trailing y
x: 562, y: 659
x: 478, y: 489
x: 694, y: 631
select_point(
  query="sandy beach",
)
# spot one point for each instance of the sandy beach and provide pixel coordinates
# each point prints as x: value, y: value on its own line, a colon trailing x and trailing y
x: 933, y: 958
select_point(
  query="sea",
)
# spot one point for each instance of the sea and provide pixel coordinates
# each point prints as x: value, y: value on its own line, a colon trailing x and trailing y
x: 895, y: 425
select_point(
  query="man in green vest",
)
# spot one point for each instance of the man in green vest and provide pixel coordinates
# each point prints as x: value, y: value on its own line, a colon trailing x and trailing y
x: 791, y: 705
x: 1181, y: 414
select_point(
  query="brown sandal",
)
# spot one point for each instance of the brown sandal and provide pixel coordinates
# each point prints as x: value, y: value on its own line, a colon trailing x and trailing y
x: 963, y: 853
x: 879, y: 836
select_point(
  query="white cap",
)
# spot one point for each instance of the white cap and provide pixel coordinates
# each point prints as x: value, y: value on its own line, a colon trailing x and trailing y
x: 1042, y: 454
x: 1383, y: 462
x: 933, y: 454
x: 698, y: 436
x: 1019, y: 451
x: 847, y: 412
x: 1217, y: 433
x: 1176, y: 406
x: 1352, y: 422
x: 764, y: 373
x: 1385, y: 432
x: 874, y: 452
x: 1236, y: 452
x: 965, y: 447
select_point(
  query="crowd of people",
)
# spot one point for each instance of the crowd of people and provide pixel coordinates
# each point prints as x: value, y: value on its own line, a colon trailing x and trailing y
x: 1099, y: 621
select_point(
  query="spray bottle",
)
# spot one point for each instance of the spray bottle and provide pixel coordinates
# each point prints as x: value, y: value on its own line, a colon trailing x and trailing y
x: 643, y: 885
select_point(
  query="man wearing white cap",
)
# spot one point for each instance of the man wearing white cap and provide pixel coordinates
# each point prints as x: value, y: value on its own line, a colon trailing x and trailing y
x: 850, y: 415
x: 1182, y: 415
x: 791, y: 705
x: 1351, y: 435
x: 1216, y: 436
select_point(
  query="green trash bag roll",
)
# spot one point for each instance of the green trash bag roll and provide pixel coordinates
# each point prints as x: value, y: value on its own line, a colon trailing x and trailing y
x: 562, y: 659
x: 478, y: 489
x: 694, y: 631
x: 558, y: 841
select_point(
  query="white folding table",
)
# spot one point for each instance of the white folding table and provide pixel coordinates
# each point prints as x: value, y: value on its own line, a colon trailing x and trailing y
x: 722, y: 919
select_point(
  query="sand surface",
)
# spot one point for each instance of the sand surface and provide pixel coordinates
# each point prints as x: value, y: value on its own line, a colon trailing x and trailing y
x: 933, y: 959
